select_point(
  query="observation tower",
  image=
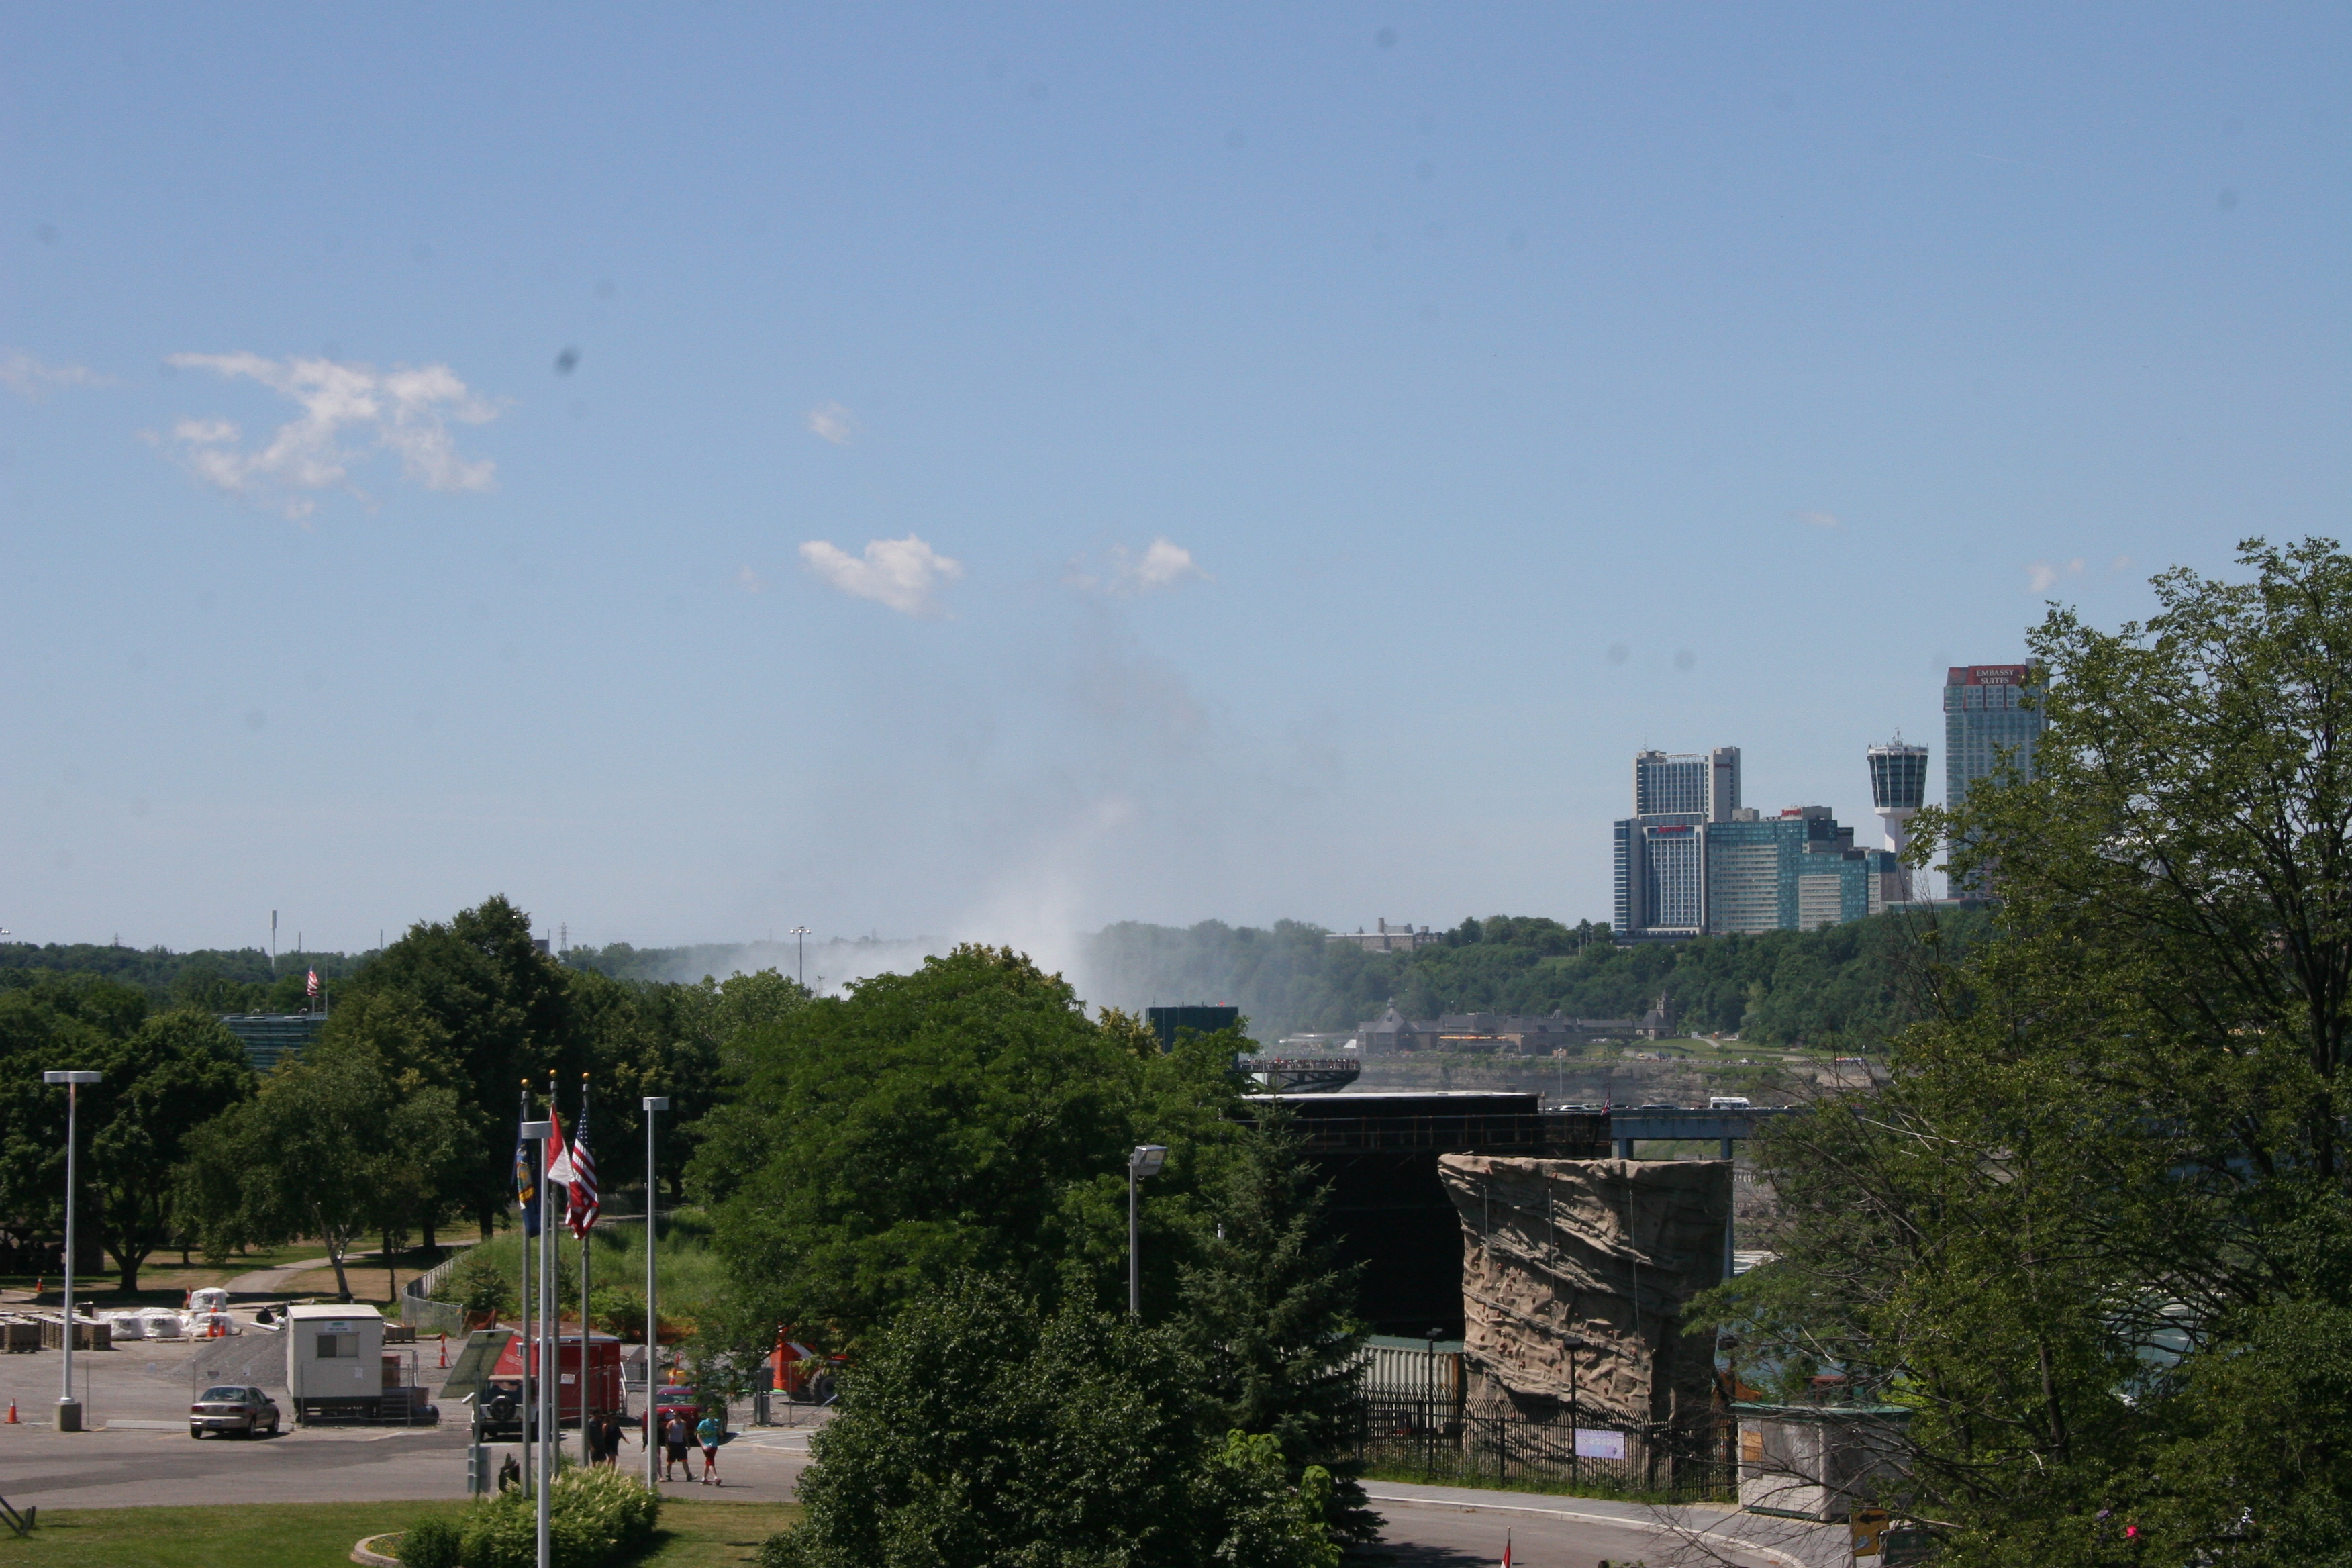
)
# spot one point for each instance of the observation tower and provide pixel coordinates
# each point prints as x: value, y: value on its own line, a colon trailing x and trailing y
x: 1898, y: 788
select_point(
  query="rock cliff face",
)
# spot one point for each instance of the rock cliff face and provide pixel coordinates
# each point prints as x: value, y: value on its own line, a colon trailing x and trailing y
x: 1575, y: 1276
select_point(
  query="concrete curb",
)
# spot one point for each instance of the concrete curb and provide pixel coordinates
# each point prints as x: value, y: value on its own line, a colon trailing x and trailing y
x: 365, y: 1551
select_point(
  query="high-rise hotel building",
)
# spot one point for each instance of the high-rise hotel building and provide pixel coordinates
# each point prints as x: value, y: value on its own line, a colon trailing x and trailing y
x: 1661, y: 865
x: 1985, y: 717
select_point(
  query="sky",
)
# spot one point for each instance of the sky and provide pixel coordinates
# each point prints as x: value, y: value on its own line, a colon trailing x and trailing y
x: 985, y: 472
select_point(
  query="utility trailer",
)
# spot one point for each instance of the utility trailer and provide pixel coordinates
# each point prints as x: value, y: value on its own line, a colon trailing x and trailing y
x: 334, y: 1363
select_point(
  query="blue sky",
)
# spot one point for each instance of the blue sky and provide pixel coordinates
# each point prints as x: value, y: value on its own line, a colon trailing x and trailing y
x: 1306, y: 449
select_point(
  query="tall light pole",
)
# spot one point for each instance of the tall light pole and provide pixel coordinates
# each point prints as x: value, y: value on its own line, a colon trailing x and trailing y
x: 802, y: 932
x: 1146, y: 1161
x: 68, y: 1408
x: 536, y: 1134
x: 654, y: 1103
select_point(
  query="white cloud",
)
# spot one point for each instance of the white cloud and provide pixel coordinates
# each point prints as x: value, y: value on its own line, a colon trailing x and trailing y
x: 29, y: 377
x: 2042, y: 575
x: 900, y: 573
x: 1161, y: 565
x: 751, y: 582
x: 1822, y: 519
x: 830, y: 422
x: 405, y: 411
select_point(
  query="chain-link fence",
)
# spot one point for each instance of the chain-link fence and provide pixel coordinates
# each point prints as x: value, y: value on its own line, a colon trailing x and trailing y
x: 1438, y: 1441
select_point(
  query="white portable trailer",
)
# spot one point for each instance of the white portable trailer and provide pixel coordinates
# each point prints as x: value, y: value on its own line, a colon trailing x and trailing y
x: 334, y: 1363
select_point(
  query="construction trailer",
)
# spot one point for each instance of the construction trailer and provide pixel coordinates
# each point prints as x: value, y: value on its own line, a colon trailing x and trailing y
x: 334, y: 1363
x: 509, y: 1392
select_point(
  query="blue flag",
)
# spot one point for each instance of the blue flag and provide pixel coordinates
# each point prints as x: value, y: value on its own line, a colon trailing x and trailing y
x: 527, y: 1186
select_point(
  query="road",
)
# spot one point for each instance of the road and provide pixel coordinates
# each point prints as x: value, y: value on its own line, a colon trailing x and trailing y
x: 141, y: 1455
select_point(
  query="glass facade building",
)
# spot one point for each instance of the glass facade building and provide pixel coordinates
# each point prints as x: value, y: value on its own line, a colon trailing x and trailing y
x: 1986, y: 720
x: 1796, y: 871
x: 1659, y: 850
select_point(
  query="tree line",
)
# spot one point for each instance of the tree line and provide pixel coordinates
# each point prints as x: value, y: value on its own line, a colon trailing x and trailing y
x: 397, y: 1123
x: 1817, y: 987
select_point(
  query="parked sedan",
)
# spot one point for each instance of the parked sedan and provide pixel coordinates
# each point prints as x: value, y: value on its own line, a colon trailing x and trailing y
x: 246, y: 1412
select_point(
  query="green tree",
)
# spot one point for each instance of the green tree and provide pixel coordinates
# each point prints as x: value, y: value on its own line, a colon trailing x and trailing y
x: 2096, y: 1236
x: 35, y: 1037
x: 312, y: 1154
x: 176, y: 1072
x: 1268, y: 1314
x: 969, y: 1116
x: 499, y: 1010
x: 978, y: 1432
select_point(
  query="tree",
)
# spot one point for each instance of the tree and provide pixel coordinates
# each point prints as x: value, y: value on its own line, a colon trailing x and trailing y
x: 2096, y: 1236
x: 968, y: 1116
x: 310, y: 1155
x: 176, y: 1072
x: 499, y: 1010
x: 36, y: 1036
x: 1268, y: 1314
x: 980, y: 1432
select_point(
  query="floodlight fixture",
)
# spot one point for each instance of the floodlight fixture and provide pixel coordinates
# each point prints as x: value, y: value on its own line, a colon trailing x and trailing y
x: 1148, y: 1159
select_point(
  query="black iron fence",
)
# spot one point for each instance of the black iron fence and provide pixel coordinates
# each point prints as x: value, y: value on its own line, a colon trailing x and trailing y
x: 1437, y: 1441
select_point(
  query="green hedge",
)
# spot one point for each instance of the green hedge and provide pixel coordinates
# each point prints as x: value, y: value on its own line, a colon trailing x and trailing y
x: 595, y: 1516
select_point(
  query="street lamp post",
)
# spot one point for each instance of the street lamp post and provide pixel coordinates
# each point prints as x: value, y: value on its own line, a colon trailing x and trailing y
x: 1146, y: 1161
x: 654, y: 1104
x: 802, y: 934
x: 68, y: 1408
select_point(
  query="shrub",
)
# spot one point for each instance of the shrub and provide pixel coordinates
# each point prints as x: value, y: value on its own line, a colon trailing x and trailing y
x: 430, y: 1543
x: 595, y: 1517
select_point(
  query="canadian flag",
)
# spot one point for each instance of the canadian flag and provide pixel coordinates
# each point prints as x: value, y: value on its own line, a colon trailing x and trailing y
x: 559, y: 1153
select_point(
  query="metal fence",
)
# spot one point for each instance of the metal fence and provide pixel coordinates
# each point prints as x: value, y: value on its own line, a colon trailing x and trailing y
x: 419, y: 1310
x: 1439, y: 1441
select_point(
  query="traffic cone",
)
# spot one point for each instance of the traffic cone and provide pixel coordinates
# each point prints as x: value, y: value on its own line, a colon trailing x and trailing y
x: 11, y: 1413
x: 444, y: 1347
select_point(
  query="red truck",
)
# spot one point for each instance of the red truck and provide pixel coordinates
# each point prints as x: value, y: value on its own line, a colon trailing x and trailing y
x: 509, y: 1395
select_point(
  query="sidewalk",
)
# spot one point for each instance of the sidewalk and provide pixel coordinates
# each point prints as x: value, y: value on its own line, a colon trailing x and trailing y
x: 1790, y: 1543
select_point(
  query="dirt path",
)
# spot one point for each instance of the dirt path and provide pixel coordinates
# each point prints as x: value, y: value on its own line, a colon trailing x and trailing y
x: 274, y: 1281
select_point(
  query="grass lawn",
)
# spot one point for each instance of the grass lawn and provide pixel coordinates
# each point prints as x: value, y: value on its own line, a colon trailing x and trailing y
x: 316, y: 1535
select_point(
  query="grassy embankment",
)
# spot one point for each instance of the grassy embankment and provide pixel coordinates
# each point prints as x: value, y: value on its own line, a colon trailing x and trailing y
x: 689, y: 1271
x: 306, y: 1535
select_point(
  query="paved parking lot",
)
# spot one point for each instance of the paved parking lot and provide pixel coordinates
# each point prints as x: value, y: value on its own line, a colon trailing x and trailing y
x: 139, y: 1452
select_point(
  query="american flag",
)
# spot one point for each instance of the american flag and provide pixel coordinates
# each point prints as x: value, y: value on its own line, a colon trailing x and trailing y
x: 581, y: 1213
x: 314, y: 983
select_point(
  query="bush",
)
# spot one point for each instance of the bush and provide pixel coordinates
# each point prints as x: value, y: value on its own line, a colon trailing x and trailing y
x: 477, y: 1285
x: 595, y: 1517
x: 430, y: 1543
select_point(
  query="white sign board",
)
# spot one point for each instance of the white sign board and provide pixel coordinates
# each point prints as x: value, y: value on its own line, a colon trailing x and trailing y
x: 1594, y: 1443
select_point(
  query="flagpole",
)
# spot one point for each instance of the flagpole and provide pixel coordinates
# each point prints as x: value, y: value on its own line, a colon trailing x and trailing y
x: 549, y: 1361
x: 579, y: 1140
x: 551, y: 1364
x: 525, y: 1337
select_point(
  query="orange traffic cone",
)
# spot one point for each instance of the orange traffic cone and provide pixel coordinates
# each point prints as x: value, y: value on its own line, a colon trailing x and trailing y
x: 11, y: 1413
x: 445, y: 1348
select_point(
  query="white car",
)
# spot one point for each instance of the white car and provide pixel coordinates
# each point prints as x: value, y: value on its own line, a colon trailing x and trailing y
x: 231, y: 1410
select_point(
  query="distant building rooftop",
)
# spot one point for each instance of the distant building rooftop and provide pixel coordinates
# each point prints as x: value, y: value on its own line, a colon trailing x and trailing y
x: 270, y: 1037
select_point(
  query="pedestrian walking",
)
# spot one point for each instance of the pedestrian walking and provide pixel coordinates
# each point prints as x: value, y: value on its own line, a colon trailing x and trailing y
x: 673, y: 1435
x: 707, y: 1431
